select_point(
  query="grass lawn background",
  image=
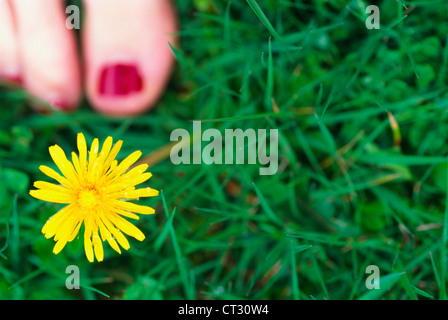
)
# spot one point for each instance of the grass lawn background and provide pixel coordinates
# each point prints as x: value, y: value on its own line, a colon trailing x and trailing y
x: 362, y: 174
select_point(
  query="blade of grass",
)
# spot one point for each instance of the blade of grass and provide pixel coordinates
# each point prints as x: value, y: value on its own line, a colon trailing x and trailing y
x: 294, y: 278
x: 5, y: 246
x: 28, y: 277
x: 386, y: 283
x: 15, y: 238
x: 181, y: 265
x: 319, y: 276
x: 270, y: 80
x: 266, y: 208
x: 443, y: 269
x: 260, y: 14
x: 434, y: 268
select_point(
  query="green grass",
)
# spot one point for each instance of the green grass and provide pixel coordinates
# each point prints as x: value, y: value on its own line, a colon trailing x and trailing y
x: 362, y: 174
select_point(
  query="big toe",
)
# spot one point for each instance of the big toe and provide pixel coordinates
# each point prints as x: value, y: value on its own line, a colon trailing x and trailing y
x: 128, y: 59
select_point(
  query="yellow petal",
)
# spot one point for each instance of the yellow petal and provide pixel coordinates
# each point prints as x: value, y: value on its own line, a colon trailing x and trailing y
x: 107, y: 145
x: 144, y: 192
x: 132, y: 181
x: 82, y: 148
x: 106, y: 235
x: 134, y: 172
x: 126, y: 163
x: 93, y: 154
x: 94, y: 171
x: 59, y: 246
x: 113, y: 153
x: 114, y: 244
x: 66, y: 167
x: 87, y: 242
x: 51, y: 187
x: 127, y: 179
x: 116, y: 233
x: 98, y: 168
x: 56, y: 176
x: 77, y: 165
x: 112, y: 167
x: 127, y: 214
x: 75, y: 231
x: 140, y: 179
x: 132, y: 207
x: 63, y: 235
x: 98, y: 246
x: 54, y: 222
x: 133, y: 193
x: 66, y: 228
x: 126, y: 227
x: 94, y: 148
x: 51, y: 196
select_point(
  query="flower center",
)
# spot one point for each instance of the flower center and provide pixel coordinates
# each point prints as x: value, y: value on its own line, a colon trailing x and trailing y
x: 88, y: 198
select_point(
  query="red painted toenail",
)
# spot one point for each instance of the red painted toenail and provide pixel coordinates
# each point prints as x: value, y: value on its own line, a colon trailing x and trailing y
x: 14, y: 79
x: 59, y: 104
x: 120, y: 80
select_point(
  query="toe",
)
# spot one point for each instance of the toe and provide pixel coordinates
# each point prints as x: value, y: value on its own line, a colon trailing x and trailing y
x: 9, y: 58
x: 48, y: 55
x: 127, y: 54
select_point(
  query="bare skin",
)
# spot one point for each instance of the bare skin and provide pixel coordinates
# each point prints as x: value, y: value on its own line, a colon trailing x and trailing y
x: 125, y: 60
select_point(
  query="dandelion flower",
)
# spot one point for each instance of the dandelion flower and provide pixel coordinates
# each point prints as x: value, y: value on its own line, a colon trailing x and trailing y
x: 95, y: 188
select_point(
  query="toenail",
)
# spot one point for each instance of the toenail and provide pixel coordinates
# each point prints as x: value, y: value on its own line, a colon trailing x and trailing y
x: 120, y: 80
